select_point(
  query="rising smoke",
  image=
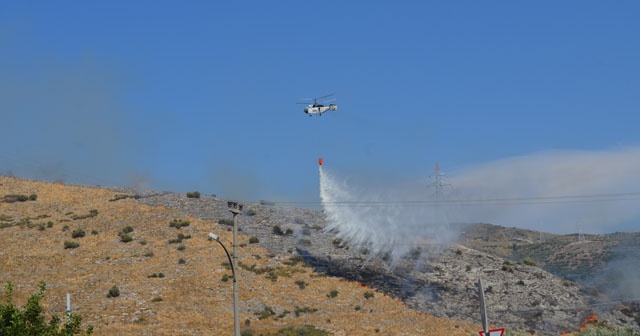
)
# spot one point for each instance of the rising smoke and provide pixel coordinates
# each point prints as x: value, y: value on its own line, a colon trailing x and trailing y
x: 559, y: 192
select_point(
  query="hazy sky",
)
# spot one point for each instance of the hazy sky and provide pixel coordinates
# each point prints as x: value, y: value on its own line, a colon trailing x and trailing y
x: 200, y: 95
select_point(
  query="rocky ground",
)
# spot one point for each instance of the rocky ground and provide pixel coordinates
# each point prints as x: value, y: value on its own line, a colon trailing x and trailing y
x: 438, y: 280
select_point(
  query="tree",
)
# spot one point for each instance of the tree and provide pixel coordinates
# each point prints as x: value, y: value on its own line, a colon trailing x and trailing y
x: 31, y: 320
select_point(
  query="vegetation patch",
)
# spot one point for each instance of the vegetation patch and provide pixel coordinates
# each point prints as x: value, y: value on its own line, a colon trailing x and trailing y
x: 305, y: 330
x: 304, y: 310
x: 125, y: 234
x: 92, y: 213
x: 123, y: 196
x: 295, y: 260
x: 277, y: 230
x: 272, y: 272
x: 113, y: 292
x: 193, y: 194
x: 301, y: 284
x: 226, y: 221
x: 70, y: 244
x: 12, y: 198
x: 332, y: 294
x: 79, y: 233
x: 179, y: 223
x: 31, y: 320
x: 5, y: 218
x: 265, y: 313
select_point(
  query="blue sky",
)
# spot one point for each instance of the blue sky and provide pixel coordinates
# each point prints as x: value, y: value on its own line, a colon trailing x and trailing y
x: 200, y: 95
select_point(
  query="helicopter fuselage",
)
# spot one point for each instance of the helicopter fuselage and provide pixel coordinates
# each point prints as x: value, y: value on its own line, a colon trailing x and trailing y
x: 319, y: 109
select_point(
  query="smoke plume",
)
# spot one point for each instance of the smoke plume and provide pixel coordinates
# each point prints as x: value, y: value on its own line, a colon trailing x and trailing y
x: 557, y: 191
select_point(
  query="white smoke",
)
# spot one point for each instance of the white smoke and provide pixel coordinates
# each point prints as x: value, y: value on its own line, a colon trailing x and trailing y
x: 557, y: 191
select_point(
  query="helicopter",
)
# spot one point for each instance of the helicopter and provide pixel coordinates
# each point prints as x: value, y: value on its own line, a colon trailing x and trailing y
x: 317, y: 107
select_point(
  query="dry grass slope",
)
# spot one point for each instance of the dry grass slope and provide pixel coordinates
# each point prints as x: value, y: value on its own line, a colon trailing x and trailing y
x: 190, y: 297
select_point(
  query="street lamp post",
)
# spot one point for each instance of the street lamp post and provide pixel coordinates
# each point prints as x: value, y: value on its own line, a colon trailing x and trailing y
x: 236, y: 321
x: 235, y: 209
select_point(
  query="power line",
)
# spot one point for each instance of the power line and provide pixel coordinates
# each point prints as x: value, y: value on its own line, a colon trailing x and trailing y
x: 611, y: 197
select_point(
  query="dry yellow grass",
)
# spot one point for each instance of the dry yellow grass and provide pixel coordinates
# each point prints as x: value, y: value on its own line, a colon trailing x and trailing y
x: 194, y: 299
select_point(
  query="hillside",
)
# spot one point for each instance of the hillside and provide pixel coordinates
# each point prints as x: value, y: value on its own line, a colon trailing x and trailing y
x: 171, y: 280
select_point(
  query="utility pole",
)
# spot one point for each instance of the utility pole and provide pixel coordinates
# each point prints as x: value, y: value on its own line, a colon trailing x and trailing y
x: 68, y: 311
x: 438, y: 182
x: 235, y: 209
x: 483, y: 309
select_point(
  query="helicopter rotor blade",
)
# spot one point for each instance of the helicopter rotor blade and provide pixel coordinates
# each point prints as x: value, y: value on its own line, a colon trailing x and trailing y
x: 329, y: 95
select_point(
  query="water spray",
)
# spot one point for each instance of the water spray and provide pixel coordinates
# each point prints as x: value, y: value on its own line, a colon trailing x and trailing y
x: 378, y: 220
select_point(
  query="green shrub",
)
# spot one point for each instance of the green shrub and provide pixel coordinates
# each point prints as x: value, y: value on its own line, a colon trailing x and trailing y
x: 304, y: 310
x: 156, y: 275
x: 332, y: 294
x: 31, y: 320
x: 179, y: 223
x: 265, y: 313
x: 125, y: 237
x: 193, y: 194
x: 181, y: 247
x: 113, y: 292
x: 79, y: 233
x: 33, y: 197
x: 297, y: 259
x: 70, y: 244
x: 529, y: 261
x: 254, y: 240
x: 368, y: 295
x: 301, y: 284
x: 181, y: 261
x: 92, y: 213
x: 277, y: 230
x: 156, y: 299
x: 251, y: 212
x: 127, y: 229
x: 606, y: 331
x: 49, y: 224
x: 226, y: 221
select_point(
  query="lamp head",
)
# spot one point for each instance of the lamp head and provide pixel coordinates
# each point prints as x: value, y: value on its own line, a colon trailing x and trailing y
x: 213, y: 236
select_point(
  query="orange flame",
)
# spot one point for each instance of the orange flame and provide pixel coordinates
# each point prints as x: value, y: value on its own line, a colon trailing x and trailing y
x: 161, y: 206
x: 591, y: 319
